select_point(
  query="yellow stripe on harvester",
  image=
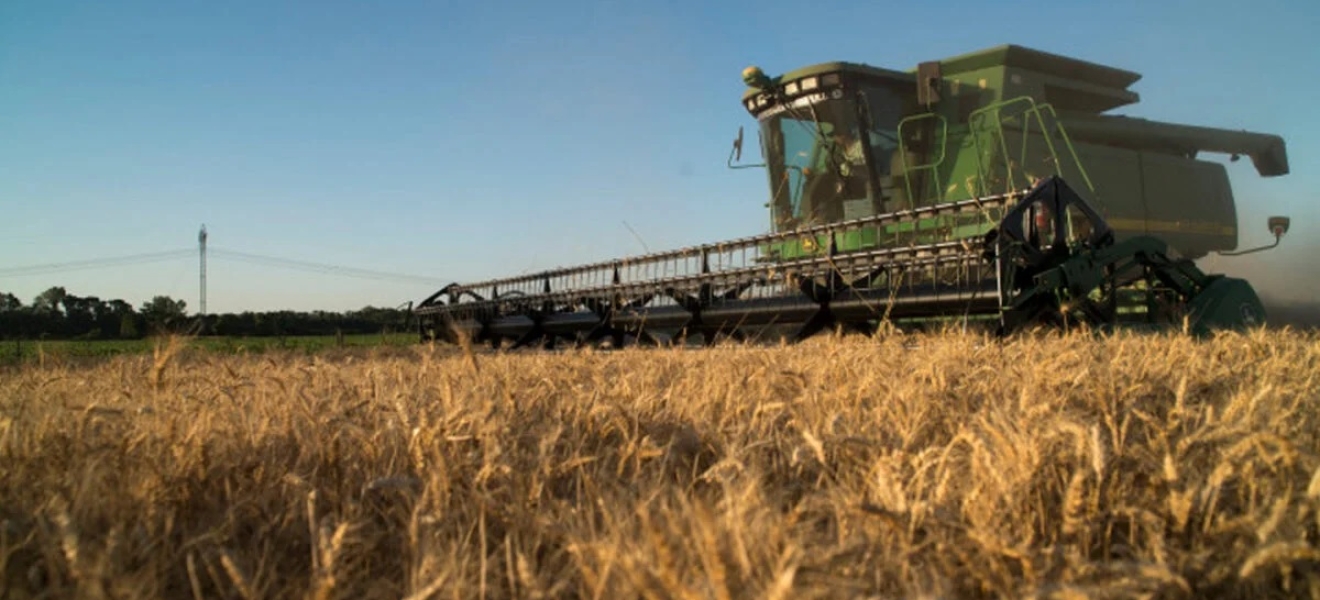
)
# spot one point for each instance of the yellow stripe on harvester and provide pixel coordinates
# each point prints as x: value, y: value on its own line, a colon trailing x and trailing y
x: 1201, y: 227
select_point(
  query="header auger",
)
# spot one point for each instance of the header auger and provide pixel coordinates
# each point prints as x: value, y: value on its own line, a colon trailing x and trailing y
x: 919, y: 197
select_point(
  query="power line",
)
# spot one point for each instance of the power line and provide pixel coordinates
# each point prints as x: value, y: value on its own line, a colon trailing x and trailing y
x: 211, y: 251
x: 95, y: 263
x: 275, y: 261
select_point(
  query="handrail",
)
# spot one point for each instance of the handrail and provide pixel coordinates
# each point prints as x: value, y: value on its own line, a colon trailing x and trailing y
x: 933, y: 166
x: 977, y: 128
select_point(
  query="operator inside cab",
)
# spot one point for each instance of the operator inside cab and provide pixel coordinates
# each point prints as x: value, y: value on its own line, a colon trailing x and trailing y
x: 848, y: 153
x: 838, y: 175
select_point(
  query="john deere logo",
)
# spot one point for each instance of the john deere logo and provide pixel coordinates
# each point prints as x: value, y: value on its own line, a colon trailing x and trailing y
x: 809, y: 244
x: 1249, y: 315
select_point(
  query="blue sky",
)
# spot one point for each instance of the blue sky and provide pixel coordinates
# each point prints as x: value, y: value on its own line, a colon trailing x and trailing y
x: 465, y: 140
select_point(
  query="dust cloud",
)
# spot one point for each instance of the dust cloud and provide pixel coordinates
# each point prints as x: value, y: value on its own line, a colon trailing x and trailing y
x: 1287, y: 278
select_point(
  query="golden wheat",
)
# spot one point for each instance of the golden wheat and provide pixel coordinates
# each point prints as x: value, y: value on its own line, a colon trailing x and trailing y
x: 941, y: 465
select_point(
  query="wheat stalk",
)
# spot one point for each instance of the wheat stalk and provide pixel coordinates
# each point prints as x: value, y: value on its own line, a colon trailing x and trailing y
x: 922, y: 464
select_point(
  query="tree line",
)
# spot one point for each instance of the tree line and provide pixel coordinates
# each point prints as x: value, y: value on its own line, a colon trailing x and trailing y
x: 57, y: 314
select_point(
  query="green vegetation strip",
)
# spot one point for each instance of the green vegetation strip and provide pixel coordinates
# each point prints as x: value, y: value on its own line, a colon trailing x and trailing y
x: 26, y: 351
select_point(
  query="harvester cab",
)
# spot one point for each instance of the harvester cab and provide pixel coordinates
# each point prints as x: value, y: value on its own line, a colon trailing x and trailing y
x: 829, y: 135
x: 991, y: 188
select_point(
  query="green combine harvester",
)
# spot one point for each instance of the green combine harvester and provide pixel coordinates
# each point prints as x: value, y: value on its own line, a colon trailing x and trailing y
x: 990, y: 188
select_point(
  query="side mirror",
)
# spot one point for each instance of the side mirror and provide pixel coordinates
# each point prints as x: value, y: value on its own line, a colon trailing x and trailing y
x: 736, y: 153
x: 1279, y: 226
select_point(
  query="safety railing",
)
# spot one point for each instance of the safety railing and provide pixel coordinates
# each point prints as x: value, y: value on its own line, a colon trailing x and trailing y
x: 990, y: 121
x: 933, y: 165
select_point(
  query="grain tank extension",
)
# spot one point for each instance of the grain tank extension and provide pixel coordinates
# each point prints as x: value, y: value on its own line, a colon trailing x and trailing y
x: 993, y: 187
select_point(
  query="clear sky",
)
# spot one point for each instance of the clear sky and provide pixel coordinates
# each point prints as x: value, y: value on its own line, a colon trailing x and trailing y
x: 462, y: 140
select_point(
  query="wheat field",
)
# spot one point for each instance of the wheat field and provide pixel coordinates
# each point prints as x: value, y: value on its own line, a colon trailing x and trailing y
x: 930, y: 466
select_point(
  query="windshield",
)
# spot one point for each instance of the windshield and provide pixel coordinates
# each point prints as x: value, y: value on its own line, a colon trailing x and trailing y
x: 817, y: 164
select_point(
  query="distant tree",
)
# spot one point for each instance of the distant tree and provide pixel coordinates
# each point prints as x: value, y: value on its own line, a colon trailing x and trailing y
x: 118, y: 306
x: 128, y: 328
x: 57, y: 314
x: 45, y: 318
x: 49, y: 301
x: 120, y: 317
x: 80, y: 315
x: 162, y: 312
x: 14, y: 317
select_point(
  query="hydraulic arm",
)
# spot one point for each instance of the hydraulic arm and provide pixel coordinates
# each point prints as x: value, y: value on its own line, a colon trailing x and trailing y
x: 1064, y: 267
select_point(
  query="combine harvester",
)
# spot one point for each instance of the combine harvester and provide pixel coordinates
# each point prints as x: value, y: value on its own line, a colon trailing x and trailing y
x: 987, y: 188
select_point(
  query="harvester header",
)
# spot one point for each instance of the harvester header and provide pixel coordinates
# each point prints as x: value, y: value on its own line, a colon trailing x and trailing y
x: 993, y: 187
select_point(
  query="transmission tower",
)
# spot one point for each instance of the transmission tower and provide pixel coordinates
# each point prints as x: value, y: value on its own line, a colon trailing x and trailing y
x: 201, y: 243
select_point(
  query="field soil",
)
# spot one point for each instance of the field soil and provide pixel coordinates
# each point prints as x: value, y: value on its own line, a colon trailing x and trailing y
x: 902, y: 466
